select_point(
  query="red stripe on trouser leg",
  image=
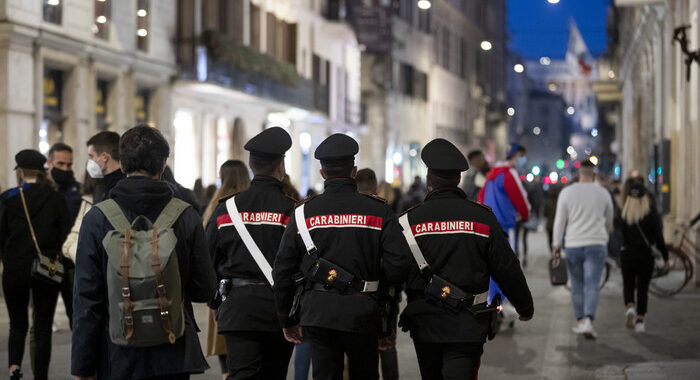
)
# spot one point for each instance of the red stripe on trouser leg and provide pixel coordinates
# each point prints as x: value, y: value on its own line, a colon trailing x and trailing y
x: 478, y: 365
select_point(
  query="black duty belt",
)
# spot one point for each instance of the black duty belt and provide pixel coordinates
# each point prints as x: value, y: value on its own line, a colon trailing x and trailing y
x: 240, y: 282
x: 365, y: 287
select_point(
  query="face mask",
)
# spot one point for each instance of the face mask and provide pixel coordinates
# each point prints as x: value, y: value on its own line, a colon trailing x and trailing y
x: 62, y: 177
x: 521, y: 161
x: 94, y: 169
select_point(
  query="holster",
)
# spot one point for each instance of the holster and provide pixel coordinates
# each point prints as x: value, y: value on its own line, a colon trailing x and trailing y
x: 299, y: 287
x: 331, y: 275
x: 221, y: 293
x: 388, y: 310
x: 445, y: 293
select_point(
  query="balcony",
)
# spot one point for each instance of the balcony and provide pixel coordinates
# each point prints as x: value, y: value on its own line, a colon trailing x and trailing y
x: 222, y: 62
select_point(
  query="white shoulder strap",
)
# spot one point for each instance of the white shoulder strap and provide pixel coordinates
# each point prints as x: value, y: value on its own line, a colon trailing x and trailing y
x: 412, y: 243
x: 264, y: 266
x: 304, y: 229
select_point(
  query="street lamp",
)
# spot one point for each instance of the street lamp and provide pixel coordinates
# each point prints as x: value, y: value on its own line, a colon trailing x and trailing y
x: 545, y: 61
x: 511, y: 111
x: 571, y: 110
x: 518, y: 68
x: 553, y: 1
x: 424, y: 4
x: 486, y: 45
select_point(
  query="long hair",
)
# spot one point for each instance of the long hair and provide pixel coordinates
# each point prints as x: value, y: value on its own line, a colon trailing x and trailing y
x: 634, y: 209
x: 234, y: 179
x: 39, y: 177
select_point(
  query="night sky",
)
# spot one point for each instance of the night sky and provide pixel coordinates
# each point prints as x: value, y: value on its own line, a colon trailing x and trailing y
x: 538, y: 28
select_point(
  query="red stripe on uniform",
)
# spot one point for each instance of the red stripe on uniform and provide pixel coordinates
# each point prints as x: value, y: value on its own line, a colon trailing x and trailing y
x: 344, y: 220
x: 451, y: 226
x: 223, y: 219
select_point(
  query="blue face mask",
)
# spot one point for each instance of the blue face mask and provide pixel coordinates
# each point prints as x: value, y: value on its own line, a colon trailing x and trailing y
x: 521, y: 161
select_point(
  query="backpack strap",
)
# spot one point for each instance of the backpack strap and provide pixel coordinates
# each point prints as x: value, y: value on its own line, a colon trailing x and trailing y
x: 160, y: 288
x: 170, y: 213
x: 126, y: 293
x: 114, y: 214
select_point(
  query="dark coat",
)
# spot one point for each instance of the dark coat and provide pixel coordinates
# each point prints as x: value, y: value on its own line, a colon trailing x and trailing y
x: 92, y: 350
x: 73, y: 199
x: 465, y: 254
x: 105, y: 185
x: 266, y: 211
x: 370, y: 250
x: 50, y: 219
x: 633, y: 241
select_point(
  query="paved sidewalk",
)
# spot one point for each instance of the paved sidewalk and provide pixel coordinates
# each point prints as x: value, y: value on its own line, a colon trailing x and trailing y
x: 543, y: 348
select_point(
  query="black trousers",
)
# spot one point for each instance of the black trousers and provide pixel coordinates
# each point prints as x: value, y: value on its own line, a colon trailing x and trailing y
x: 327, y: 354
x: 44, y: 297
x: 390, y: 364
x: 257, y: 355
x: 449, y: 361
x: 67, y: 289
x: 637, y: 268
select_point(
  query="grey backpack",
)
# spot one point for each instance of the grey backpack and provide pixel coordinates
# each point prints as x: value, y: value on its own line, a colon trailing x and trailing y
x: 143, y: 279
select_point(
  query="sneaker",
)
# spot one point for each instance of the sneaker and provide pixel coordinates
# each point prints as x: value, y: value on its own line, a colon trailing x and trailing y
x: 585, y: 328
x: 631, y: 315
x: 639, y: 327
x: 16, y: 375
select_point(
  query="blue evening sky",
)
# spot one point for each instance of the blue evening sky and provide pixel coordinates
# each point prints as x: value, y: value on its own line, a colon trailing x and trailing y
x: 538, y: 28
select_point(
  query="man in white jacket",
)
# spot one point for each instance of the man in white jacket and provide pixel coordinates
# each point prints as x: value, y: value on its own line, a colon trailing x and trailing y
x: 585, y: 213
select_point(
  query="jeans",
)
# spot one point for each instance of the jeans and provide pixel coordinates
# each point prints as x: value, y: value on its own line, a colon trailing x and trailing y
x: 302, y: 360
x: 585, y: 266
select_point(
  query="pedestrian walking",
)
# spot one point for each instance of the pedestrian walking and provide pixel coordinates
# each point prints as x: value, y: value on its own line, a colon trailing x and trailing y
x: 457, y: 244
x: 141, y: 262
x: 505, y: 195
x: 475, y: 177
x: 60, y: 167
x: 103, y: 163
x: 415, y: 194
x: 585, y: 214
x: 244, y: 233
x: 388, y: 356
x: 70, y: 246
x: 643, y: 240
x: 234, y: 179
x: 343, y: 242
x: 34, y: 223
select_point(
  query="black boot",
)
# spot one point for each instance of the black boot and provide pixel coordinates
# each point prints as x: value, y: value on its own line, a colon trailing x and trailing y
x: 16, y: 375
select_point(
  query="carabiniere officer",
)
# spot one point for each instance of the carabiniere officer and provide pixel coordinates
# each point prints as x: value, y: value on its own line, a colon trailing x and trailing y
x: 247, y: 316
x: 463, y: 244
x: 356, y: 243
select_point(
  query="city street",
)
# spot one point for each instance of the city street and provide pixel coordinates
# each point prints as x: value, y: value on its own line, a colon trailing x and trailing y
x: 543, y: 348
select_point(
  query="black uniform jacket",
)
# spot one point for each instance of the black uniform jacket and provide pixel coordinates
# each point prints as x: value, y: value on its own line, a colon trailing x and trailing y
x: 265, y: 211
x: 464, y: 244
x: 51, y: 222
x: 92, y: 350
x: 355, y: 231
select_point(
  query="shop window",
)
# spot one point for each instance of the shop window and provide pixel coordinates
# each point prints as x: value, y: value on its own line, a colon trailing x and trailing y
x: 101, y: 95
x: 51, y: 127
x: 103, y: 17
x: 142, y: 100
x: 53, y: 11
x: 143, y: 23
x: 255, y: 27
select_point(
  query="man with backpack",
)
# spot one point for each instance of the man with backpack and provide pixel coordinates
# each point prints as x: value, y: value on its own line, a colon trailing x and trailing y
x: 243, y: 233
x: 141, y: 261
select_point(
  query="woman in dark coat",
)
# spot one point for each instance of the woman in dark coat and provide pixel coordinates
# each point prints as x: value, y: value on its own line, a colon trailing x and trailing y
x: 49, y: 217
x: 641, y: 228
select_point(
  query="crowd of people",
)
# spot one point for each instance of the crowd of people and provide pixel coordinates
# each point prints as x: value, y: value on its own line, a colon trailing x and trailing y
x: 129, y: 250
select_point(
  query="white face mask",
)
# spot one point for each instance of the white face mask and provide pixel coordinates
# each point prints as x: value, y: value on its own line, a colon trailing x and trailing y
x: 94, y: 169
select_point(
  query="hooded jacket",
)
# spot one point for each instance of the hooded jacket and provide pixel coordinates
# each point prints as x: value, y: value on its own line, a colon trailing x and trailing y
x: 92, y: 350
x: 50, y: 219
x: 504, y: 193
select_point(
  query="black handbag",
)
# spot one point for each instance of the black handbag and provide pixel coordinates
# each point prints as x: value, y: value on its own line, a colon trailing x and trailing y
x: 557, y: 273
x: 44, y: 268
